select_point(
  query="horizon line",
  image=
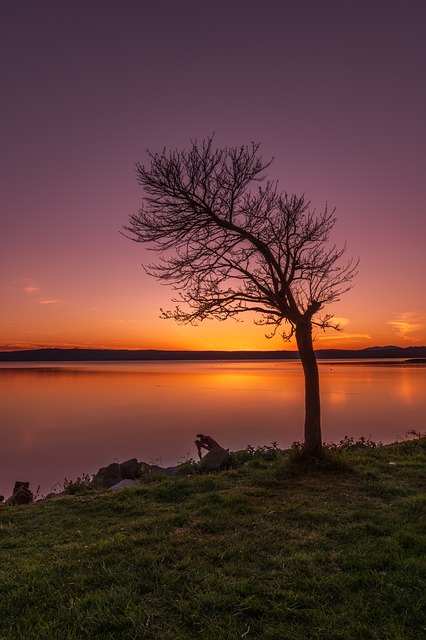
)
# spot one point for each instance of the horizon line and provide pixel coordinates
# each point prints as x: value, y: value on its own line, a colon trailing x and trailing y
x: 173, y: 350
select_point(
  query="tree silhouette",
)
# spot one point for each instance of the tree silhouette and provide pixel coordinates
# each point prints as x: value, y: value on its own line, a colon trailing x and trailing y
x: 231, y: 243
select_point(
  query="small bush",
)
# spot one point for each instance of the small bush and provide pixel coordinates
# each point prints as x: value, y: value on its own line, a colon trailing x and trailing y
x: 348, y: 443
x: 265, y: 452
x: 188, y: 468
x: 80, y: 485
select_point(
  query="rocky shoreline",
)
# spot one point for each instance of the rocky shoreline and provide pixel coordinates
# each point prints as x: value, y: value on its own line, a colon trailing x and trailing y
x: 125, y: 474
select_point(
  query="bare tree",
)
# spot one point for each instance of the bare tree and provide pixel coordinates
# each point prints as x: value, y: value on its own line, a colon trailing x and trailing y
x: 231, y: 245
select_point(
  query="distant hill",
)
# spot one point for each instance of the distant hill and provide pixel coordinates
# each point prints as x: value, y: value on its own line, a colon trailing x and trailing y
x: 81, y: 355
x: 373, y: 352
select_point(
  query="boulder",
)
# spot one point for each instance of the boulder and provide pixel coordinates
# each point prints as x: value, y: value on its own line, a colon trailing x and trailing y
x: 115, y: 473
x: 108, y: 476
x: 54, y: 494
x: 130, y: 469
x: 215, y: 459
x: 21, y: 494
x: 154, y: 469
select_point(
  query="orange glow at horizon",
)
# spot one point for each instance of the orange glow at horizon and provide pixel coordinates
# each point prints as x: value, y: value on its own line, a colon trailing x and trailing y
x: 132, y: 324
x: 118, y: 318
x: 210, y: 336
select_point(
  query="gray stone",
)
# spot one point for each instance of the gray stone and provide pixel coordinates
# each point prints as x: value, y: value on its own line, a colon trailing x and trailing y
x: 127, y: 482
x: 54, y: 494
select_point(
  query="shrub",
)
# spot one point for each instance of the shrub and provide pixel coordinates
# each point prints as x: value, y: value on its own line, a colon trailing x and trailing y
x: 80, y: 485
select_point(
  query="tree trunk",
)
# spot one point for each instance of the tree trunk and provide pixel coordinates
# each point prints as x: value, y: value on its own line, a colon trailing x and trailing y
x: 312, y: 446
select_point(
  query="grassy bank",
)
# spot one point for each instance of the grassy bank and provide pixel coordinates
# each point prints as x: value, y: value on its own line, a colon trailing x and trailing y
x: 267, y: 550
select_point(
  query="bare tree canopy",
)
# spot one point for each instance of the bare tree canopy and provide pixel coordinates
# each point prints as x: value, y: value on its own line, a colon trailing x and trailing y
x: 230, y: 242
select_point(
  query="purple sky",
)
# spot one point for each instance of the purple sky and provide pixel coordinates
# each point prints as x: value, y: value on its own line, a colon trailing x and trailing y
x: 334, y: 90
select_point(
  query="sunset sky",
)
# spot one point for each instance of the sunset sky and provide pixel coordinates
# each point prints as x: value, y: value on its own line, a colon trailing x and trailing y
x: 334, y: 90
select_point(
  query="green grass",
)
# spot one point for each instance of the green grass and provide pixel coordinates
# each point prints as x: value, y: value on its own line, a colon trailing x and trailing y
x: 270, y: 550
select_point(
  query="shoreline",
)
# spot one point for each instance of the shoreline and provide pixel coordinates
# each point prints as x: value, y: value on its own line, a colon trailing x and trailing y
x: 52, y: 365
x: 84, y: 480
x: 88, y: 355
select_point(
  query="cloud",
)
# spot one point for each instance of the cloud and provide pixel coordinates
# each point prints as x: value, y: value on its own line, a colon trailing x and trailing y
x: 343, y: 336
x: 29, y: 285
x: 32, y: 287
x: 19, y: 345
x: 341, y: 322
x: 125, y: 321
x: 407, y: 324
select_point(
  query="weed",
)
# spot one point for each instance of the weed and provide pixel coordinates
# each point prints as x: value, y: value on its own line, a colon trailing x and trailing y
x: 250, y: 453
x: 81, y: 485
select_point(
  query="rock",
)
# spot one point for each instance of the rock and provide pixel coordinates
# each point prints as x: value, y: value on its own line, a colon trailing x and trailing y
x: 54, y: 494
x: 205, y: 442
x: 171, y: 471
x: 127, y: 482
x: 107, y: 476
x: 154, y: 469
x: 130, y: 469
x: 112, y: 475
x: 21, y: 494
x: 215, y: 459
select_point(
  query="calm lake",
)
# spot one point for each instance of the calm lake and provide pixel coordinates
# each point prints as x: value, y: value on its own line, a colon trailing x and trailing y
x: 60, y: 420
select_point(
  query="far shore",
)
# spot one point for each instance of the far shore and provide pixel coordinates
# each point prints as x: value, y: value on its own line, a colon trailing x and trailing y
x: 411, y: 355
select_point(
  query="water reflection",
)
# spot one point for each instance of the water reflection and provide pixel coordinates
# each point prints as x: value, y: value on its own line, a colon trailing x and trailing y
x: 63, y: 420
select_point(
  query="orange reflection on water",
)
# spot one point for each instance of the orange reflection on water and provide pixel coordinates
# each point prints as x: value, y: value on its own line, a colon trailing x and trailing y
x: 378, y: 401
x: 64, y: 420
